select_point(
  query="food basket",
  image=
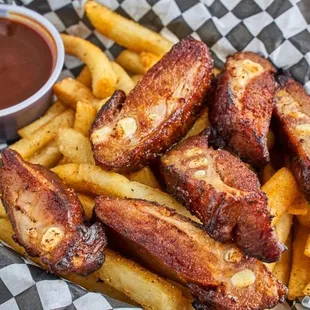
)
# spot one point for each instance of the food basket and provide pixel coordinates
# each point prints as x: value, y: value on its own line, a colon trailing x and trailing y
x: 276, y: 29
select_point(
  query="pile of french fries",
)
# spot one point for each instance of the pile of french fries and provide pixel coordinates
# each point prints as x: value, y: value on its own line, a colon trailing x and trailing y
x: 59, y: 140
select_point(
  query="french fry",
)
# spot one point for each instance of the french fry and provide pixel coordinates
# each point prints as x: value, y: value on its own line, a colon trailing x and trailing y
x: 84, y: 117
x: 307, y: 247
x: 300, y: 272
x: 282, y: 267
x: 300, y: 206
x: 120, y: 274
x: 282, y: 191
x: 136, y: 78
x: 56, y: 108
x: 270, y: 140
x: 48, y: 157
x: 216, y: 71
x: 282, y: 229
x: 75, y: 146
x: 304, y: 219
x: 88, y: 204
x: 144, y: 176
x: 306, y: 290
x: 69, y: 91
x: 267, y: 173
x: 131, y: 62
x: 2, y: 211
x: 85, y: 77
x: 125, y: 32
x: 148, y: 60
x: 91, y: 179
x: 124, y: 82
x: 64, y: 161
x: 103, y: 77
x: 201, y: 123
x: 46, y: 134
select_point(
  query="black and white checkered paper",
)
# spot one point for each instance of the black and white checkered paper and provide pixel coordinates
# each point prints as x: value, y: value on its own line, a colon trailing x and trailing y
x: 276, y: 29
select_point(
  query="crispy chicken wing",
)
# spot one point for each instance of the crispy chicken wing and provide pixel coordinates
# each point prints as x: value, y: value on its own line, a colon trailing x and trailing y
x: 292, y: 117
x: 218, y: 275
x: 223, y: 193
x: 130, y: 132
x: 241, y: 107
x: 47, y: 218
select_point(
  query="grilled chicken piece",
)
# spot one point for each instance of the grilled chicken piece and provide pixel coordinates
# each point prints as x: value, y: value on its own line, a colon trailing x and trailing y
x: 241, y: 107
x: 47, y: 218
x: 218, y: 275
x: 292, y: 118
x: 223, y: 193
x: 129, y: 133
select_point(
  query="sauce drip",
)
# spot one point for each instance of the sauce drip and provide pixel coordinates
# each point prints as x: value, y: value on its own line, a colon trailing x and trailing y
x: 26, y: 62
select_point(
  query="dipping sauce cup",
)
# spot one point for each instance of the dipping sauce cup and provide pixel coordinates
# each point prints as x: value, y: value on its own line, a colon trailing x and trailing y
x: 31, y: 60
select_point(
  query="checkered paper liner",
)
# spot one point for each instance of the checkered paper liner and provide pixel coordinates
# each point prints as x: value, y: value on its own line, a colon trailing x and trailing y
x: 276, y: 29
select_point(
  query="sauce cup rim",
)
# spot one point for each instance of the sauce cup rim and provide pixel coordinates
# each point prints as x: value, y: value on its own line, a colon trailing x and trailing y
x: 60, y: 56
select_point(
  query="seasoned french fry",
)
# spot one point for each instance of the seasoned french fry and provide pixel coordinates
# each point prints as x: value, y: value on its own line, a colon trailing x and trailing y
x: 216, y: 72
x: 70, y: 92
x: 283, y: 226
x: 282, y: 229
x: 144, y: 176
x: 75, y: 146
x: 282, y: 191
x: 304, y: 219
x: 88, y: 204
x: 306, y: 290
x: 56, y: 108
x: 47, y: 133
x: 2, y: 211
x: 300, y: 206
x: 300, y: 272
x: 125, y: 32
x: 64, y: 161
x: 148, y: 60
x: 131, y: 62
x: 124, y: 275
x: 103, y: 77
x: 136, y: 78
x: 84, y: 117
x: 282, y: 267
x: 48, y: 157
x: 201, y: 123
x: 270, y: 140
x: 92, y: 179
x: 267, y: 173
x: 307, y: 247
x: 124, y: 82
x: 85, y: 77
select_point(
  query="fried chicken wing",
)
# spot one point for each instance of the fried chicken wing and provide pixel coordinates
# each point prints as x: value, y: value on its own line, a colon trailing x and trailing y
x: 223, y: 193
x: 218, y: 275
x: 292, y: 117
x: 241, y: 107
x: 129, y: 133
x: 47, y: 218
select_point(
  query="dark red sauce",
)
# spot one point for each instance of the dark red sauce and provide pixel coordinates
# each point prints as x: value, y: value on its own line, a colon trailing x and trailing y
x: 26, y: 62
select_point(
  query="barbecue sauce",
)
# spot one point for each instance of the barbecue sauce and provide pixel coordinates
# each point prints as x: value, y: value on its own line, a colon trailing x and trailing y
x: 26, y: 62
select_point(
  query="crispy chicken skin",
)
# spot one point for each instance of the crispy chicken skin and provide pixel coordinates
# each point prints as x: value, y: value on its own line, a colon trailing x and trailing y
x: 218, y: 275
x: 292, y: 118
x: 223, y: 193
x: 47, y: 218
x: 129, y: 133
x: 241, y: 107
